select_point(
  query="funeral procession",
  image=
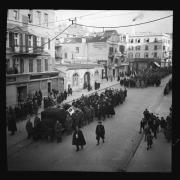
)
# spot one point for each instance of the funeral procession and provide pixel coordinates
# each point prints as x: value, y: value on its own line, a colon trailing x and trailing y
x: 89, y: 90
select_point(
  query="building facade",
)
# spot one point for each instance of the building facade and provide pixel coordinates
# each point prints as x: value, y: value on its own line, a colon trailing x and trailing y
x: 145, y: 47
x: 98, y: 49
x: 30, y: 54
x: 79, y: 76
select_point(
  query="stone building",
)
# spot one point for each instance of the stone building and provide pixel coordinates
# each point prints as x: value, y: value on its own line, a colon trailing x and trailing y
x: 30, y: 54
x: 143, y: 48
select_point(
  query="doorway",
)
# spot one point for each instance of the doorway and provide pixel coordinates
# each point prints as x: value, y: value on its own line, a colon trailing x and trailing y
x: 86, y: 80
x: 21, y: 94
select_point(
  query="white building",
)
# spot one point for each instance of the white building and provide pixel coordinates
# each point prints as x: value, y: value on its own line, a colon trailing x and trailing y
x: 146, y: 46
x: 30, y: 54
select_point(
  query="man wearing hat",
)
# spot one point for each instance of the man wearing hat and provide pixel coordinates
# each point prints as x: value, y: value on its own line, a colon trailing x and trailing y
x: 100, y: 132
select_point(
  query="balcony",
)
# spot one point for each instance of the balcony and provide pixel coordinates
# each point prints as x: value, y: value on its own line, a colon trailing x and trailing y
x: 26, y: 50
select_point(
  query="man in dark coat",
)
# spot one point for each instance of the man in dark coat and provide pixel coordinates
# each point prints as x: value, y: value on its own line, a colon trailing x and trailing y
x: 65, y: 95
x: 58, y: 131
x: 78, y: 139
x: 100, y: 132
x: 29, y: 128
x: 12, y: 121
x: 37, y: 127
x: 149, y: 140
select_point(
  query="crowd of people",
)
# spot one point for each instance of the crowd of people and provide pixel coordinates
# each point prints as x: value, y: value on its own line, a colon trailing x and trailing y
x: 151, y: 124
x: 28, y: 107
x: 103, y: 104
x: 55, y: 97
x: 168, y: 87
x: 145, y: 78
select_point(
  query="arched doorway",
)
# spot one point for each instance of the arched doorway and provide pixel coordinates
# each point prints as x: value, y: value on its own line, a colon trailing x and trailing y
x: 86, y: 80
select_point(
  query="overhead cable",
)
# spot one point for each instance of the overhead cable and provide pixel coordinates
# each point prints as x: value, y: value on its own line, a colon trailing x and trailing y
x: 125, y: 25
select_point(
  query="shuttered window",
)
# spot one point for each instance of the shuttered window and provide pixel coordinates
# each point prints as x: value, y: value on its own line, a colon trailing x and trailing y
x: 38, y: 41
x: 46, y: 64
x: 16, y: 39
x: 38, y: 65
x: 30, y: 65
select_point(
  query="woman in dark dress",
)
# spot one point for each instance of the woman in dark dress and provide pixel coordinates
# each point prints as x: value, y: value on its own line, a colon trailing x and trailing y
x: 78, y: 139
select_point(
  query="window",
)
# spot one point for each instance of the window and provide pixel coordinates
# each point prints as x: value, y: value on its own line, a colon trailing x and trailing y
x: 7, y: 39
x: 155, y: 40
x: 16, y: 39
x: 110, y: 50
x: 38, y: 65
x: 29, y: 41
x: 75, y: 79
x: 30, y: 65
x: 155, y: 47
x: 77, y: 49
x: 139, y: 40
x: 38, y: 41
x: 137, y: 55
x: 45, y: 43
x: 155, y: 54
x: 130, y: 55
x: 39, y: 17
x: 131, y: 40
x: 163, y: 47
x: 30, y: 16
x: 146, y: 40
x: 146, y: 47
x: 138, y: 48
x: 46, y: 64
x: 16, y: 14
x: 146, y: 55
x: 72, y: 56
x: 46, y: 19
x: 21, y: 65
x: 65, y: 55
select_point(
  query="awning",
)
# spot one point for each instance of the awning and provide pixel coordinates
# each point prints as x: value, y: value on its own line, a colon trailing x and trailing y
x: 156, y: 64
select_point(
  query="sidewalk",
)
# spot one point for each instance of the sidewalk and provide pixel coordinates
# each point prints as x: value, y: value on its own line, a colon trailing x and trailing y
x: 21, y: 134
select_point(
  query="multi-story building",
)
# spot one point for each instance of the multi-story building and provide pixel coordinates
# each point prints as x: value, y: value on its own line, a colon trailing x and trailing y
x: 98, y: 49
x: 146, y: 47
x: 30, y: 54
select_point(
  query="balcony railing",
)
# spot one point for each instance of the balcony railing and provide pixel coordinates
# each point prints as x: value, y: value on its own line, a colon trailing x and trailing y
x: 26, y: 49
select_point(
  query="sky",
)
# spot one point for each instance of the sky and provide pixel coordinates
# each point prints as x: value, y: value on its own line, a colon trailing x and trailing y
x: 119, y: 18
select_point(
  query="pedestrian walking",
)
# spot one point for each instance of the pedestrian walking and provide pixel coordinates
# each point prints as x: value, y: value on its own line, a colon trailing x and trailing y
x: 78, y: 138
x: 100, y: 132
x: 58, y: 131
x: 142, y: 124
x: 29, y: 128
x: 146, y: 132
x: 149, y: 141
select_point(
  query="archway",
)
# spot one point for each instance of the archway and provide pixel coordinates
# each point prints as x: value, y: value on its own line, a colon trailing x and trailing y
x: 86, y: 80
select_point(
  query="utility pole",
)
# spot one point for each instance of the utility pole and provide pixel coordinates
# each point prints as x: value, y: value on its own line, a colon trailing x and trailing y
x: 72, y: 20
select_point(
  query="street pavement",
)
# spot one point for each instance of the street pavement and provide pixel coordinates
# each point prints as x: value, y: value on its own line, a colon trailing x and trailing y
x: 157, y: 159
x: 122, y: 140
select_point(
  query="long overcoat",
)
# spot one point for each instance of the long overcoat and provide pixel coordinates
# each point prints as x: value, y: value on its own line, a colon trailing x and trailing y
x: 78, y: 138
x: 12, y: 123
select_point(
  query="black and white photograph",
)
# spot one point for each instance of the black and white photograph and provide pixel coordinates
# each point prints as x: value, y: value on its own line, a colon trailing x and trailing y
x: 89, y: 90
